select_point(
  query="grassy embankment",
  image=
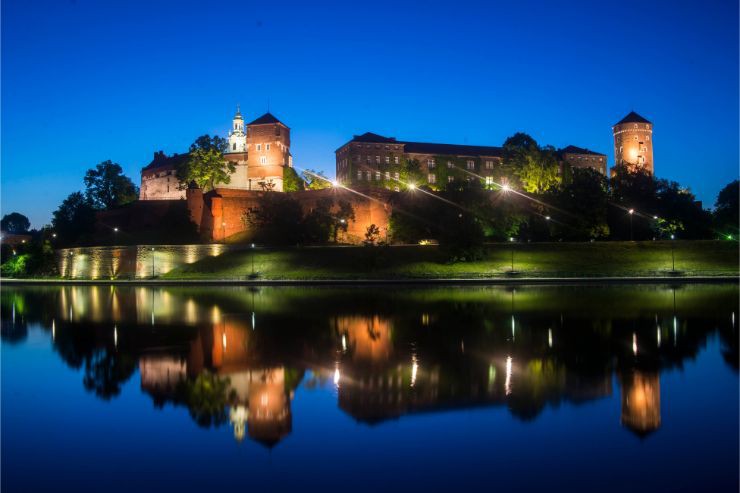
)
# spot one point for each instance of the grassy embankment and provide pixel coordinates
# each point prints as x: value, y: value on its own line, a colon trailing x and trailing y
x: 607, y: 259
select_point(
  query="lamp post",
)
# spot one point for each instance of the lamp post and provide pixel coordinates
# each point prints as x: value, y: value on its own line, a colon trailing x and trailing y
x: 511, y: 240
x: 252, y: 259
x: 152, y: 262
x: 631, y: 212
x: 673, y: 256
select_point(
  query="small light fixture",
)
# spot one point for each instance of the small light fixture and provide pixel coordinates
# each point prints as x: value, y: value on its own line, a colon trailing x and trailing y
x: 505, y: 187
x: 412, y: 186
x: 547, y: 218
x: 115, y: 230
x: 631, y: 211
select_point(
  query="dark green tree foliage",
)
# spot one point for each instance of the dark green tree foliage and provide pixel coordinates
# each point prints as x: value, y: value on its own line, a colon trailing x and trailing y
x: 319, y: 223
x: 343, y: 216
x: 315, y: 180
x: 107, y: 187
x: 206, y: 165
x: 291, y: 181
x: 106, y: 372
x: 528, y: 166
x: 15, y: 223
x: 277, y: 220
x: 207, y: 398
x: 580, y: 207
x: 74, y: 220
x: 726, y: 211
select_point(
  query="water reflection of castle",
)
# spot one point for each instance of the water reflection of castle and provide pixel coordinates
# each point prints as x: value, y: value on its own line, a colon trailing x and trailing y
x: 209, y: 355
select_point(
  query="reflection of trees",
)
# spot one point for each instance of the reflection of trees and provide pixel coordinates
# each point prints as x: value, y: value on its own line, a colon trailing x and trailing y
x: 105, y: 372
x: 207, y: 398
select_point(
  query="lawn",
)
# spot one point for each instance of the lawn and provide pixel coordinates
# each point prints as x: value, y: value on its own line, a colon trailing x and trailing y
x: 604, y: 259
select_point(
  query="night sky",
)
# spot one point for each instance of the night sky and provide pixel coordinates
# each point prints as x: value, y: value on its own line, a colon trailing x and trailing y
x: 84, y: 81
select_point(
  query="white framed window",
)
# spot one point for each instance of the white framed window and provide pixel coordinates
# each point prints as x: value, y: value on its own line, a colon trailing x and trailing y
x: 387, y: 160
x: 387, y: 175
x: 489, y: 164
x: 489, y: 180
x: 359, y: 175
x: 432, y: 178
x: 377, y: 159
x: 449, y: 164
x: 377, y: 176
x: 395, y: 176
x: 471, y: 164
x: 395, y: 159
x: 430, y: 163
x: 267, y: 147
x: 259, y: 147
x: 450, y: 179
x: 263, y: 159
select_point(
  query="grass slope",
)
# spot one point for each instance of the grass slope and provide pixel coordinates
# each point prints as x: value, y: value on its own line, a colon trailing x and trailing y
x: 705, y: 258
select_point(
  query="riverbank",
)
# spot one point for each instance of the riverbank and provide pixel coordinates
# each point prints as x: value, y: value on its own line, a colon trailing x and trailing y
x: 532, y: 263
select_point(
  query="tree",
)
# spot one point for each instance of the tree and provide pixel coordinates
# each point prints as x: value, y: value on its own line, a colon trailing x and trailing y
x: 74, y: 220
x: 584, y: 200
x: 15, y: 223
x: 206, y: 165
x: 537, y: 169
x: 316, y: 180
x: 319, y: 222
x: 291, y: 181
x: 277, y: 219
x: 726, y: 211
x: 372, y: 235
x: 344, y: 215
x: 107, y: 186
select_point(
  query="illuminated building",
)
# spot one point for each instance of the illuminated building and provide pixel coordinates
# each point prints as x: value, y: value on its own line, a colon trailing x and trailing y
x: 633, y: 142
x: 641, y: 401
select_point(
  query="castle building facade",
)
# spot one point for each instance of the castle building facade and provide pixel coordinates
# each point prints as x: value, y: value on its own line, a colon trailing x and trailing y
x: 633, y: 143
x: 371, y: 159
x: 260, y: 152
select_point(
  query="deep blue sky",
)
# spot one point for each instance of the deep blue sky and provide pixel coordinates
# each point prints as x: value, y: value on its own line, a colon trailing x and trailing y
x: 84, y: 81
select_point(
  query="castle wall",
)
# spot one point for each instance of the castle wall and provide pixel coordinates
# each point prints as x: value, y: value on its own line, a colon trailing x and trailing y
x: 160, y: 185
x: 221, y: 212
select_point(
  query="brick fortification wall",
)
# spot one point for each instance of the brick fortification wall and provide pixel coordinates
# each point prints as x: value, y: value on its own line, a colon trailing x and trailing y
x: 219, y: 214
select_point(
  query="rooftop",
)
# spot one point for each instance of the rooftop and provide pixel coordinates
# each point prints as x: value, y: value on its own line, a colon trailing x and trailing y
x: 265, y: 119
x: 429, y: 147
x: 633, y: 117
x: 162, y: 161
x: 578, y: 150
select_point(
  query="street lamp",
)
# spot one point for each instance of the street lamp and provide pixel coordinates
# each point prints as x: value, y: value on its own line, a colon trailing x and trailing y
x: 115, y: 230
x: 505, y: 188
x: 511, y: 240
x: 631, y: 212
x: 673, y: 255
x: 412, y: 186
x: 152, y: 262
x: 252, y: 259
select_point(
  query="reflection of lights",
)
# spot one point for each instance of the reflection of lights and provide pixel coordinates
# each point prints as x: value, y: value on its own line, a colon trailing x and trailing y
x: 238, y: 415
x: 223, y: 339
x: 549, y: 337
x: 414, y: 369
x: 344, y: 342
x: 53, y: 329
x: 513, y: 329
x: 634, y: 344
x: 254, y: 321
x: 264, y: 400
x: 424, y: 319
x: 507, y: 383
x: 491, y: 374
x: 115, y: 336
x: 732, y: 318
x: 658, y: 335
x: 13, y: 313
x: 337, y: 376
x: 675, y: 330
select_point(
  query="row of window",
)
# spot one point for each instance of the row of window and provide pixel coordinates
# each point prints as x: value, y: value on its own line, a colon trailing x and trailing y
x: 431, y: 177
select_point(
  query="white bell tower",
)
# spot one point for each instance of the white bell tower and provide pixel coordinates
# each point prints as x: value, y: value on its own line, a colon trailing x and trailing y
x: 237, y: 137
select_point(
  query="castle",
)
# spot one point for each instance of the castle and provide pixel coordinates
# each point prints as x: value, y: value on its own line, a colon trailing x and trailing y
x: 261, y: 154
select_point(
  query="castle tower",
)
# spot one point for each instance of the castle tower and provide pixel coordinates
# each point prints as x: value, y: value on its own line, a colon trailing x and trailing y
x: 268, y: 147
x: 633, y: 142
x: 237, y: 137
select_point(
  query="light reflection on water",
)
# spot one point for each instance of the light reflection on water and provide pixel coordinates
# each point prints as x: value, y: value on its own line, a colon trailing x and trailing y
x: 386, y: 354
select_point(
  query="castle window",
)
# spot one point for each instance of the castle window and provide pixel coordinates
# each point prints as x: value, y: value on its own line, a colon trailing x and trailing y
x: 263, y: 160
x: 267, y: 147
x: 233, y: 146
x: 450, y: 179
x: 259, y: 147
x: 449, y: 164
x: 395, y: 176
x: 489, y: 180
x: 377, y: 176
x: 368, y: 159
x: 395, y: 159
x: 359, y: 175
x: 432, y: 178
x: 387, y: 160
x: 471, y: 164
x: 387, y: 175
x: 377, y: 159
x: 489, y: 164
x: 430, y: 163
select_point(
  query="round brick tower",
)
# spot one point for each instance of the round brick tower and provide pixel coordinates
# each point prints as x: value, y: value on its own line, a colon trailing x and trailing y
x: 633, y: 142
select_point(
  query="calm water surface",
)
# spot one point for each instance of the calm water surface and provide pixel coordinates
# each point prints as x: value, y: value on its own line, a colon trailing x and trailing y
x: 487, y: 388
